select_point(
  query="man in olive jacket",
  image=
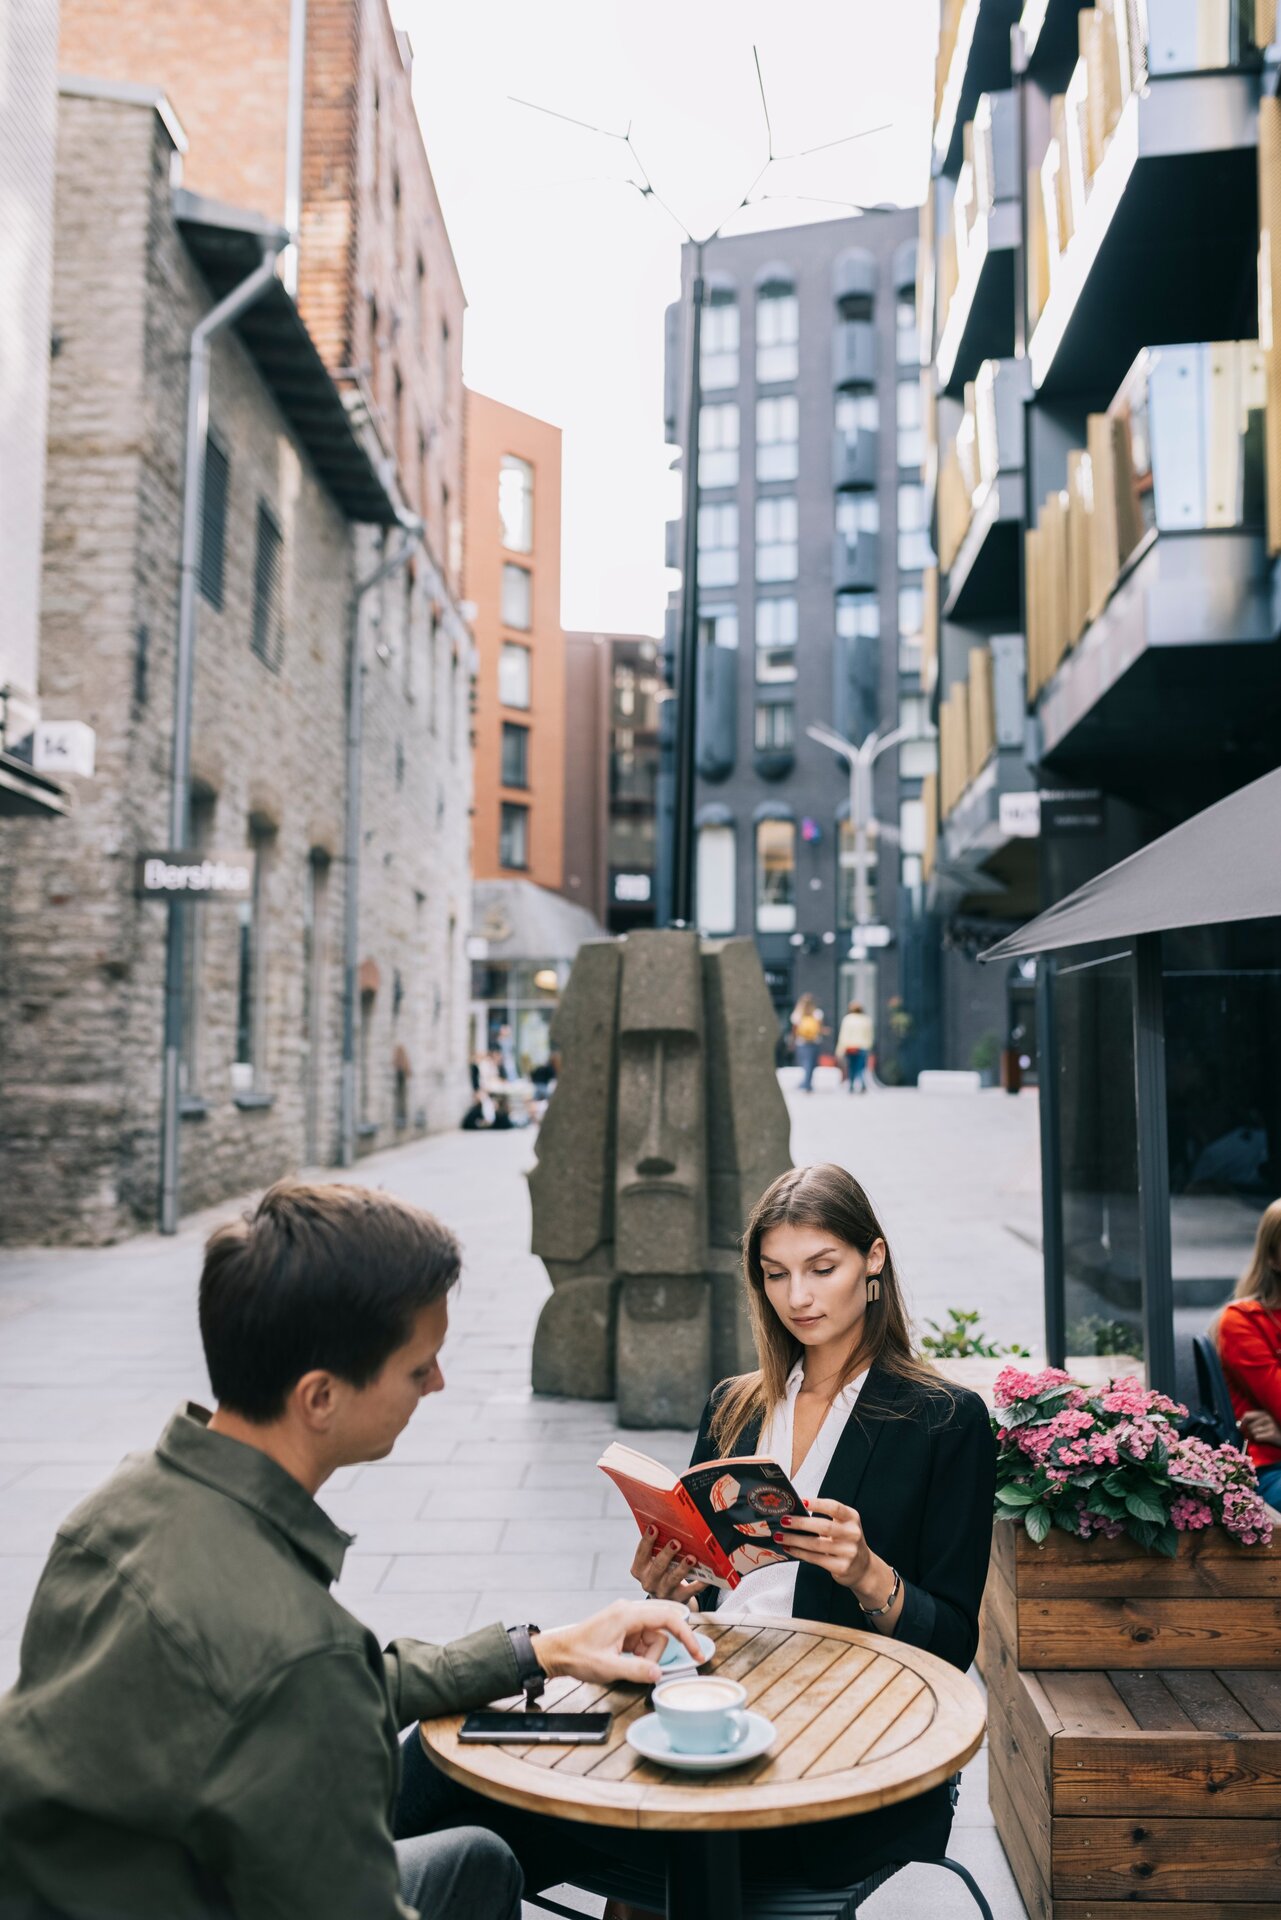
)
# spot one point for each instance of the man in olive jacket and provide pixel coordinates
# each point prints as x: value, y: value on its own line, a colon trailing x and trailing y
x: 199, y: 1728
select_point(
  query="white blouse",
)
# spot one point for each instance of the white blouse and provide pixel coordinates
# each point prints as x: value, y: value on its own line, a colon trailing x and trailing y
x: 772, y: 1590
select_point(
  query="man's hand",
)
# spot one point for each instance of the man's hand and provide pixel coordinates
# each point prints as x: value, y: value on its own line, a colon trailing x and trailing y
x: 622, y: 1643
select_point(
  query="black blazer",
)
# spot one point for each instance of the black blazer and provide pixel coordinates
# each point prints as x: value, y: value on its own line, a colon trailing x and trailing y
x: 919, y: 1465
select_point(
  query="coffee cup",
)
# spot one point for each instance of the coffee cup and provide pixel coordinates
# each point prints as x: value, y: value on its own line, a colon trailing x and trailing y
x: 702, y: 1713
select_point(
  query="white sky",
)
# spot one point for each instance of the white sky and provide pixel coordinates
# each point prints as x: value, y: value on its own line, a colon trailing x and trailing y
x: 567, y: 270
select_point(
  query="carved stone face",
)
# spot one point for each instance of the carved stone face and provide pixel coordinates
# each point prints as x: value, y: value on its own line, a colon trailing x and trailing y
x: 661, y: 1209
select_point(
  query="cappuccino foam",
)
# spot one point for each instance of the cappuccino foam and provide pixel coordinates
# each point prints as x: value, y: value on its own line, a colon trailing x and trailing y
x: 700, y: 1696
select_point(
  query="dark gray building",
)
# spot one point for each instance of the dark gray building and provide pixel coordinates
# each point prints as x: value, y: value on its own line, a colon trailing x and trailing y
x: 812, y: 541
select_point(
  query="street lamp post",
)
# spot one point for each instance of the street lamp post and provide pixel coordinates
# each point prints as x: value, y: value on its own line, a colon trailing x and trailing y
x: 686, y: 674
x: 860, y: 760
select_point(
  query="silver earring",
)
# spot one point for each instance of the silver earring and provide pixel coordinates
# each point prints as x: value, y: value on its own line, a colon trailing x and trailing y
x: 873, y: 1288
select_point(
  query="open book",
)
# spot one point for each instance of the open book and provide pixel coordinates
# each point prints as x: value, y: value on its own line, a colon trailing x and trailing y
x: 723, y: 1513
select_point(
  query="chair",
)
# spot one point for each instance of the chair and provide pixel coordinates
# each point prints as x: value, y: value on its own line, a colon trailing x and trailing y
x: 1216, y: 1401
x: 769, y: 1902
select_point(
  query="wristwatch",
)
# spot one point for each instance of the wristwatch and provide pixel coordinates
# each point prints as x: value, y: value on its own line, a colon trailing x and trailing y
x: 528, y: 1672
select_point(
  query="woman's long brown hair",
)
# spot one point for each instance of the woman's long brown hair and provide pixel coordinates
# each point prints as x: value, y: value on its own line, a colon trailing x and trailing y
x: 829, y: 1198
x: 1262, y: 1278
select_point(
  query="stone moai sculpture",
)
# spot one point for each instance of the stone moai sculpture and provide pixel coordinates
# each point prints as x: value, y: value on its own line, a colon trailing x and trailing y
x: 666, y: 1125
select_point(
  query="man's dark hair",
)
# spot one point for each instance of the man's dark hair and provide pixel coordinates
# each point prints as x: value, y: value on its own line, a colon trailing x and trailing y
x: 316, y: 1277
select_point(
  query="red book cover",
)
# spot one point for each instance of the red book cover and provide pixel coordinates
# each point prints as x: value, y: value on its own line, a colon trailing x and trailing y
x: 723, y: 1513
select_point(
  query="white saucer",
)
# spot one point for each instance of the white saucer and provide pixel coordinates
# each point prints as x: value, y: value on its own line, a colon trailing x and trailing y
x: 676, y: 1661
x: 649, y: 1737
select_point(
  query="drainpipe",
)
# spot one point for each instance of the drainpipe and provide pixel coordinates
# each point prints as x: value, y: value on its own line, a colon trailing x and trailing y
x: 229, y: 309
x: 293, y: 140
x: 412, y: 531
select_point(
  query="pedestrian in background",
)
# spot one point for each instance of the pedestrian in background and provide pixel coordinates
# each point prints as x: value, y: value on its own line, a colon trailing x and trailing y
x: 854, y: 1044
x: 807, y: 1033
x: 1248, y: 1336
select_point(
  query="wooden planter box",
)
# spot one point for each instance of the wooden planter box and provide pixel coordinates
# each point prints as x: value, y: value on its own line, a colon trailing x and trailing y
x: 1123, y: 1795
x: 1107, y: 1604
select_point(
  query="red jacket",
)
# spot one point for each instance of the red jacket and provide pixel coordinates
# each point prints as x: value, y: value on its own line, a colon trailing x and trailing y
x: 1250, y: 1349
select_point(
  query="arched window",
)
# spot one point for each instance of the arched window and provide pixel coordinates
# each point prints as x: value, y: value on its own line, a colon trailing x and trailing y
x: 778, y: 330
x: 718, y: 338
x: 775, y: 875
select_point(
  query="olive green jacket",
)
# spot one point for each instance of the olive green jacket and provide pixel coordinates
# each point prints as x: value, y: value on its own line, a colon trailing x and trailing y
x: 198, y: 1727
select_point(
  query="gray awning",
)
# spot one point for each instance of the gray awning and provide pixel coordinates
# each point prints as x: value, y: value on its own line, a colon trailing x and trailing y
x: 772, y: 810
x: 1221, y: 865
x: 714, y: 813
x: 226, y: 244
x: 523, y: 921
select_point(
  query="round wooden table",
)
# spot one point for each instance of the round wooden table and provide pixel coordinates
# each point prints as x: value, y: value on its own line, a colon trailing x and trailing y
x: 860, y: 1723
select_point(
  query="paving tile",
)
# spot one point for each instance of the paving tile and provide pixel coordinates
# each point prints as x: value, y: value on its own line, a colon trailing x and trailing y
x: 611, y: 1538
x: 549, y: 1607
x: 448, y: 1537
x: 442, y: 1573
x: 516, y: 1503
x: 361, y: 1573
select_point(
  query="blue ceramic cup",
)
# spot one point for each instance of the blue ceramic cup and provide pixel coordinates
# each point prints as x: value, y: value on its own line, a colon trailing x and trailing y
x: 702, y: 1713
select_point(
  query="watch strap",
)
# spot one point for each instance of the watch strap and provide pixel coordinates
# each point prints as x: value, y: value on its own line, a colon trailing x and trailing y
x: 528, y: 1671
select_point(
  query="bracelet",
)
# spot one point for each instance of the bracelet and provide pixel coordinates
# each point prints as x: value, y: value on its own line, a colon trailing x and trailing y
x: 871, y: 1613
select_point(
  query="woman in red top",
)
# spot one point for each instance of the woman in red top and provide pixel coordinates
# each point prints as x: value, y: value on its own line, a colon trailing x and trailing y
x: 1249, y: 1342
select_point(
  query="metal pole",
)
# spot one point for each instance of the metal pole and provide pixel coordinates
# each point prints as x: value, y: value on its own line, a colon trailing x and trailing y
x: 351, y: 840
x: 293, y: 137
x: 1154, y: 1164
x: 238, y: 301
x: 687, y: 654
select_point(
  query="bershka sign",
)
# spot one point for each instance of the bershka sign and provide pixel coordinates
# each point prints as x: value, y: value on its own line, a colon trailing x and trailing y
x: 196, y: 876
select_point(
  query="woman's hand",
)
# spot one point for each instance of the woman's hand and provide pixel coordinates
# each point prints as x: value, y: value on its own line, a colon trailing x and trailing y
x: 1259, y: 1426
x: 829, y: 1536
x: 664, y: 1572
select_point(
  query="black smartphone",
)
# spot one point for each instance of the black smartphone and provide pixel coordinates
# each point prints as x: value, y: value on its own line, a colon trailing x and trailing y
x: 523, y: 1729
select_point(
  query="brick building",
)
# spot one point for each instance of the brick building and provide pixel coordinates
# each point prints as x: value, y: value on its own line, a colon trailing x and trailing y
x: 137, y: 263
x: 512, y: 575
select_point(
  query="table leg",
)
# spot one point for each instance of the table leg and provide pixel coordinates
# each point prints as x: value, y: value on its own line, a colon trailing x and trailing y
x: 704, y: 1880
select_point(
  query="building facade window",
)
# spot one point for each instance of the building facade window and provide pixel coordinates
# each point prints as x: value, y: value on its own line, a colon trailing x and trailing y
x: 516, y: 503
x: 858, y: 616
x: 268, y: 637
x: 513, y: 835
x: 777, y: 630
x: 847, y: 878
x: 718, y: 545
x: 251, y: 970
x: 515, y: 758
x: 858, y: 412
x: 775, y: 876
x: 213, y: 523
x: 715, y: 881
x: 718, y: 340
x: 718, y: 626
x: 777, y: 538
x: 718, y: 444
x: 911, y: 826
x: 911, y: 439
x: 911, y: 620
x: 514, y: 675
x: 778, y: 331
x: 914, y: 550
x: 908, y: 343
x: 775, y: 726
x: 778, y: 426
x: 858, y: 513
x: 517, y: 606
x: 199, y: 835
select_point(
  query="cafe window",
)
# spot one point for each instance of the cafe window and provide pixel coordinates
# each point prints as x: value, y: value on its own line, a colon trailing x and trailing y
x: 775, y: 876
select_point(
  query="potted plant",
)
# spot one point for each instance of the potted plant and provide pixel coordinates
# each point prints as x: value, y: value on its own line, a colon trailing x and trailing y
x: 1124, y: 1544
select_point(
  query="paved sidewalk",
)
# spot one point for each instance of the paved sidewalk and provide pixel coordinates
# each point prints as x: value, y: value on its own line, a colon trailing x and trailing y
x: 491, y: 1506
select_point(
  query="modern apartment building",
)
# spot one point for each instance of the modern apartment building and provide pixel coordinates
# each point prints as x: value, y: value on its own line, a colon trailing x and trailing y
x: 306, y: 115
x: 613, y: 698
x: 1100, y: 275
x: 511, y: 573
x: 812, y: 552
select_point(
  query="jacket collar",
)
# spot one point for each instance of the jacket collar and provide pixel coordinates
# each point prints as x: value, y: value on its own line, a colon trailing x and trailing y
x: 862, y: 1430
x: 257, y: 1482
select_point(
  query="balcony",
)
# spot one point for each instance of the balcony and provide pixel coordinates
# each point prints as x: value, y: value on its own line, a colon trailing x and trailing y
x: 987, y: 796
x: 976, y: 258
x: 855, y: 560
x: 854, y: 354
x: 1151, y: 624
x: 981, y: 500
x: 717, y: 710
x: 1151, y: 164
x: 973, y: 58
x: 854, y: 457
x: 672, y: 556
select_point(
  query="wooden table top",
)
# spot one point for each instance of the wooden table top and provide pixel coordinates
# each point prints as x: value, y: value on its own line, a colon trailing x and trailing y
x: 861, y: 1722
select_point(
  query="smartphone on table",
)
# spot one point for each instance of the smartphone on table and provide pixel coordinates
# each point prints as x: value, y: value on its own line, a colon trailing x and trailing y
x: 493, y: 1726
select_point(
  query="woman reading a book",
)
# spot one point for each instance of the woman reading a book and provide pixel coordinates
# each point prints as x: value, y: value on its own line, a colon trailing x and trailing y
x: 897, y: 1468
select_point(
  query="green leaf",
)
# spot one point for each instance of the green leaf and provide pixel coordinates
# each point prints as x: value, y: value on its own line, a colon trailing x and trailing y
x: 1143, y: 1531
x: 1068, y: 1519
x: 1167, y: 1542
x: 1145, y: 1506
x: 1037, y: 1522
x: 1015, y: 1496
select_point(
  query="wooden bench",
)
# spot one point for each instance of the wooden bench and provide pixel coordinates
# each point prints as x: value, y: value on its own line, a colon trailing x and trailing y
x: 1138, y: 1795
